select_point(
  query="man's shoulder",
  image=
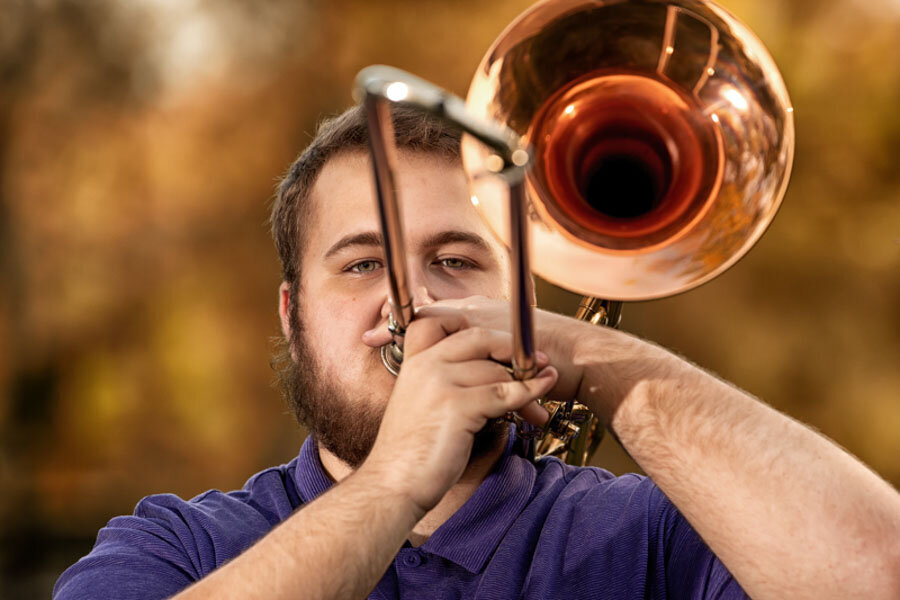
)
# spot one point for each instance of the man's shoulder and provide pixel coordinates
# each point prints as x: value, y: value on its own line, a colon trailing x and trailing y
x: 570, y: 480
x: 214, y: 525
x: 567, y: 491
x: 266, y: 499
x: 618, y: 524
x: 168, y: 542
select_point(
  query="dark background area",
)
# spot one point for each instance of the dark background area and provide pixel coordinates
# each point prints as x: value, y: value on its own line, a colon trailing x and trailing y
x: 140, y: 143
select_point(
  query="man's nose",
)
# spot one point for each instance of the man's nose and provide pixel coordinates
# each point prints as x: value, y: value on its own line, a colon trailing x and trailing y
x: 386, y: 307
x: 422, y: 295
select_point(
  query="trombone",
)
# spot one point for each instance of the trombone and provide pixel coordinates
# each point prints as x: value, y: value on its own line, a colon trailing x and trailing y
x: 643, y: 145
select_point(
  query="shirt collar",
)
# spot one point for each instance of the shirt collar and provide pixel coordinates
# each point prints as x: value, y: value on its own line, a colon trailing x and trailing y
x: 311, y: 477
x: 470, y: 536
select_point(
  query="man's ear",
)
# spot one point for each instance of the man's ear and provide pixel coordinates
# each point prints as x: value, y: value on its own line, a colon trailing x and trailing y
x: 284, y: 308
x: 284, y: 312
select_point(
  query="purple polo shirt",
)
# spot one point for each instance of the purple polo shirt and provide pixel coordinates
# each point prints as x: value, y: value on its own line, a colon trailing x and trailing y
x: 544, y: 530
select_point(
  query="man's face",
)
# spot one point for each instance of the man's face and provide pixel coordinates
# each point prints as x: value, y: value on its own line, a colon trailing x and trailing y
x: 343, y: 288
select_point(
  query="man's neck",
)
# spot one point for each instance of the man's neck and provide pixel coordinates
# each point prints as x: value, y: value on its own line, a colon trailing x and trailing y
x: 455, y: 497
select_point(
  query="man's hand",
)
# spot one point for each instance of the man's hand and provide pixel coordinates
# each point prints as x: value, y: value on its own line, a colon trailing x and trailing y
x: 554, y: 334
x: 452, y: 381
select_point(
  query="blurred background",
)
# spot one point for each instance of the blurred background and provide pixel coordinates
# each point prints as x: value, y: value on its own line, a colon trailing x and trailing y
x: 140, y: 143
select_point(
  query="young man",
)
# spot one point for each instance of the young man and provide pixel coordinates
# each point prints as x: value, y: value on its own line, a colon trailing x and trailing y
x: 411, y: 487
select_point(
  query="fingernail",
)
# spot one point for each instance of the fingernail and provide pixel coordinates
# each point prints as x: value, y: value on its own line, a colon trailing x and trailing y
x: 542, y: 356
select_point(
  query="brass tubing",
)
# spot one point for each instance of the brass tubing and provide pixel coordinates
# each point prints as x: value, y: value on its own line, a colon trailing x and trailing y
x: 524, y: 365
x: 599, y: 312
x: 377, y: 86
x: 383, y: 152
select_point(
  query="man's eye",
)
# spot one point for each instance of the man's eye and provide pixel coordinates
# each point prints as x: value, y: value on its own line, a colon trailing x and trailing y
x: 365, y: 266
x: 455, y: 263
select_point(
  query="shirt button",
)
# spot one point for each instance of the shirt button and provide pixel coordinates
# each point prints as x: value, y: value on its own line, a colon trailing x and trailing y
x: 412, y: 560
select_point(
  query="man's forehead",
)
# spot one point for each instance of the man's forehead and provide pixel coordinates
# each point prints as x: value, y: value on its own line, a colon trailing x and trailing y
x: 433, y: 193
x: 331, y: 186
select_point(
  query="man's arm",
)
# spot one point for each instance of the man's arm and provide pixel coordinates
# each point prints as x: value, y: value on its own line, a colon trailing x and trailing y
x: 791, y: 514
x: 338, y: 546
x: 786, y: 510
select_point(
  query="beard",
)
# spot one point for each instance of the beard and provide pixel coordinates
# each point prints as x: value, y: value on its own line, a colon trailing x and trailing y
x: 346, y: 426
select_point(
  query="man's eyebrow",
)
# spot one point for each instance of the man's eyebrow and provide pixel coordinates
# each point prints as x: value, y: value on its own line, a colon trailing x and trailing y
x: 456, y: 237
x: 366, y: 238
x: 373, y: 238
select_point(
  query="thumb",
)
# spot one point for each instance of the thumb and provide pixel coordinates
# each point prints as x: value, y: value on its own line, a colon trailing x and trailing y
x: 424, y: 333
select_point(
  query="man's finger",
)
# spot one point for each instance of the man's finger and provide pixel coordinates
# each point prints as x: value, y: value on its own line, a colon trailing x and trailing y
x: 497, y: 399
x: 445, y: 309
x: 475, y: 373
x: 425, y: 333
x: 475, y: 343
x: 534, y: 413
x: 437, y: 310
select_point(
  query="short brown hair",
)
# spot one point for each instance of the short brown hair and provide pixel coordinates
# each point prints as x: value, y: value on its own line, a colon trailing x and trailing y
x: 348, y: 132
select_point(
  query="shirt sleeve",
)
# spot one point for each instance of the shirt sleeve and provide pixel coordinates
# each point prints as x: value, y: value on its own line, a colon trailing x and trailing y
x: 166, y: 546
x: 133, y: 559
x: 691, y: 569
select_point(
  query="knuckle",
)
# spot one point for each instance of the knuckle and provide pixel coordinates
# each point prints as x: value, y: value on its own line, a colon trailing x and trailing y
x: 477, y: 333
x: 500, y: 391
